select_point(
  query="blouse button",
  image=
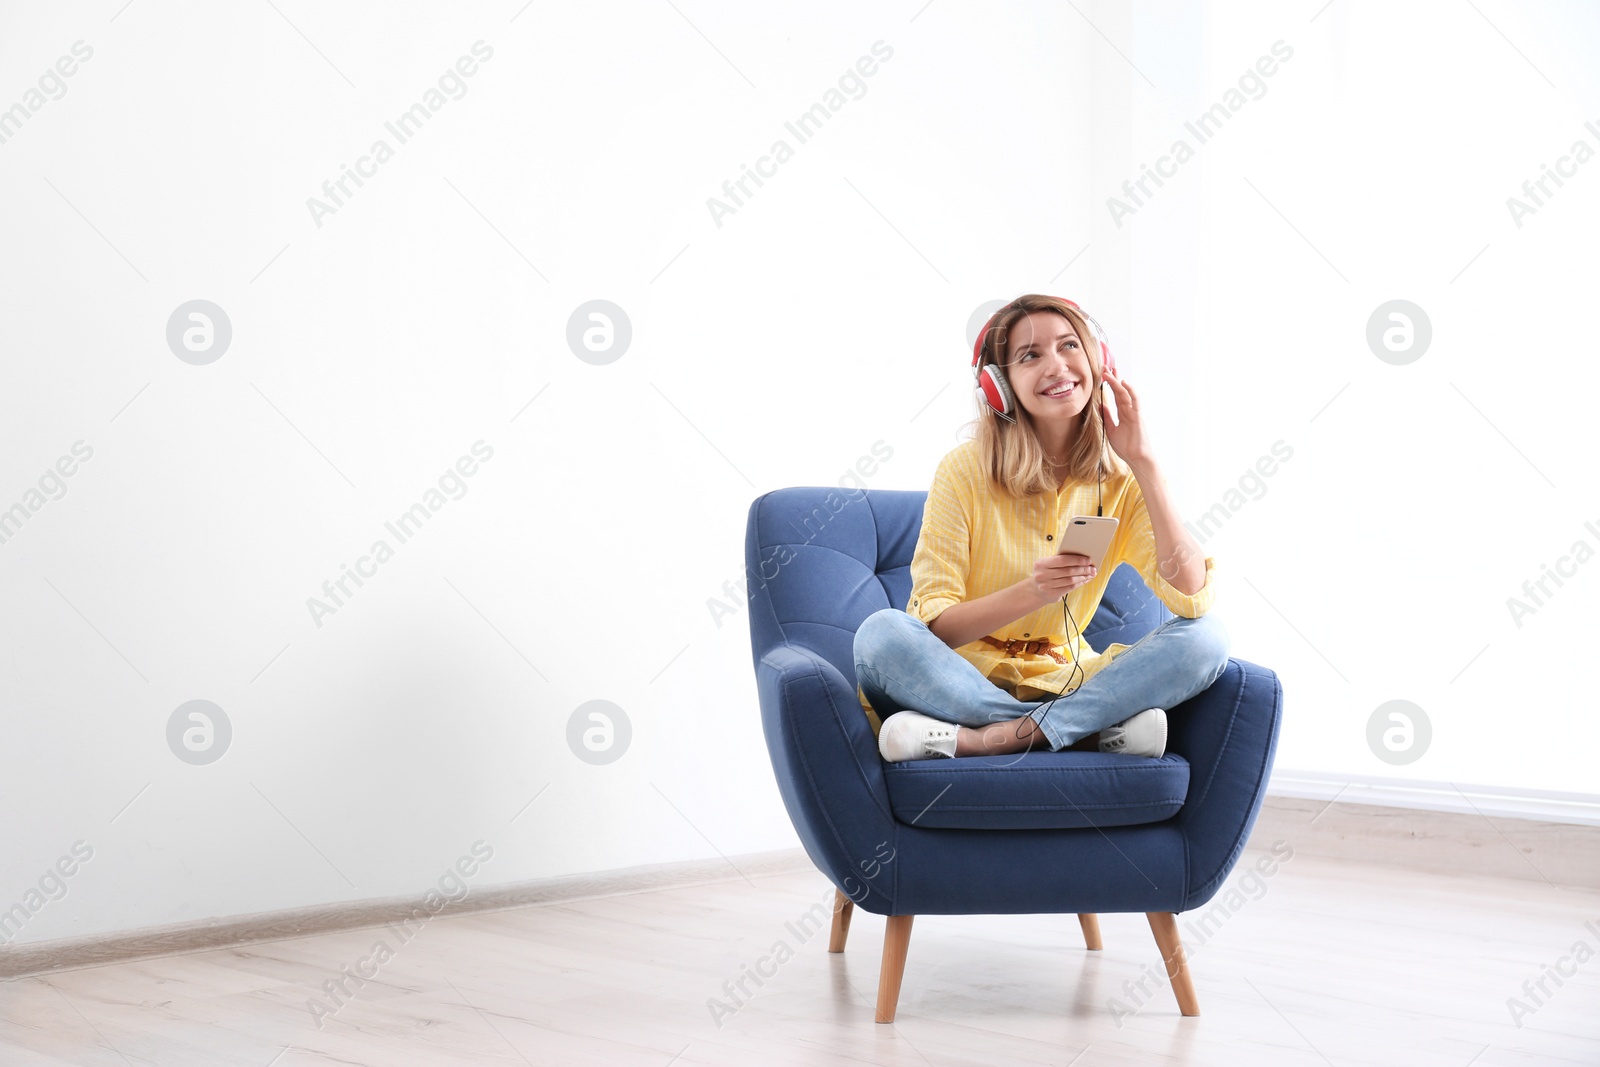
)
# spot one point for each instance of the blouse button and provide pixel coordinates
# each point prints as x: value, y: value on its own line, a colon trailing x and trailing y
x: 1049, y: 537
x: 1024, y: 635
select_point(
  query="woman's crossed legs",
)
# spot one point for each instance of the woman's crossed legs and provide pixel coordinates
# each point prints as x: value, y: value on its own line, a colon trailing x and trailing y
x: 901, y: 664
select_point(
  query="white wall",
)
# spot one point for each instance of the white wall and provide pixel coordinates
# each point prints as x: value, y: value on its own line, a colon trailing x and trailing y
x: 828, y: 314
x: 369, y: 753
x: 1377, y: 563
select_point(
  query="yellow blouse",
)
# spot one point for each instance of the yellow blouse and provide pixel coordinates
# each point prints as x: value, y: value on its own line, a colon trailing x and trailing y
x: 975, y: 541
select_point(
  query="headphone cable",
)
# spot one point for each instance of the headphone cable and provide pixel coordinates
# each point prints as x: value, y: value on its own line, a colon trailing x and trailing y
x: 1066, y: 615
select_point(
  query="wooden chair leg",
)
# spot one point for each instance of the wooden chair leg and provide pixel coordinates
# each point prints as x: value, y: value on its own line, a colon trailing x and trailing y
x: 1091, y: 929
x: 843, y: 906
x: 896, y: 939
x: 1164, y: 924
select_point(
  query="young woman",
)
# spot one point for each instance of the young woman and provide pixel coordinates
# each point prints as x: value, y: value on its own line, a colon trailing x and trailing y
x: 984, y: 660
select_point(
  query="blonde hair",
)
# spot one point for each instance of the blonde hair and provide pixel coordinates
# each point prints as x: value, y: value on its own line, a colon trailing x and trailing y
x: 1012, y: 453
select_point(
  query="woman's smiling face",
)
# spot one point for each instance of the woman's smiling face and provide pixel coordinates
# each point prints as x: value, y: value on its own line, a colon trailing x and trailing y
x: 1048, y: 367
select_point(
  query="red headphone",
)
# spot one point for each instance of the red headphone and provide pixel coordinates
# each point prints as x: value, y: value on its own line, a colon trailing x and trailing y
x: 991, y: 376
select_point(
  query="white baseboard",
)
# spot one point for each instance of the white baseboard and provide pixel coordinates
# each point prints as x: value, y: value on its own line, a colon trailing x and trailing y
x: 1540, y: 805
x: 18, y: 960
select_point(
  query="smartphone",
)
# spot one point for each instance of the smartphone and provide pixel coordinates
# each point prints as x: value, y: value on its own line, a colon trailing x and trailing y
x: 1089, y: 535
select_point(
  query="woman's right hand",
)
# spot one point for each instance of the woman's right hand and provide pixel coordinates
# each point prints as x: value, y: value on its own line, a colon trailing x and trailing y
x: 1056, y: 576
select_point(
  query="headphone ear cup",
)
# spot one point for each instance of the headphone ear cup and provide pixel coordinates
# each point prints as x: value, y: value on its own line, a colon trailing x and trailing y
x: 993, y: 385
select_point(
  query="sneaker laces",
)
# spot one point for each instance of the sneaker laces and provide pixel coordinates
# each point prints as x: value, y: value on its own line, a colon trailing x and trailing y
x: 929, y: 746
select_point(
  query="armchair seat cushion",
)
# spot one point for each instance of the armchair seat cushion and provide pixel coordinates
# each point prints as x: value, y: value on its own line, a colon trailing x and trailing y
x: 1037, y: 790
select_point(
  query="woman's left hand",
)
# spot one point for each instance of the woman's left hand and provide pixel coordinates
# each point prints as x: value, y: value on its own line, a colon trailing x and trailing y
x: 1127, y: 434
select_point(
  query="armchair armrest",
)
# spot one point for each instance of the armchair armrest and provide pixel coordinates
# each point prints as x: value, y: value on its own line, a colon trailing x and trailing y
x: 1229, y: 735
x: 829, y: 772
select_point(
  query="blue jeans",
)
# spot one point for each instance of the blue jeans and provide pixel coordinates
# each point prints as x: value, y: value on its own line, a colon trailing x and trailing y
x: 901, y: 664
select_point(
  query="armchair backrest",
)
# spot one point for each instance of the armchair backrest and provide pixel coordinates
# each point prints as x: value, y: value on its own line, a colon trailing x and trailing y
x: 819, y: 560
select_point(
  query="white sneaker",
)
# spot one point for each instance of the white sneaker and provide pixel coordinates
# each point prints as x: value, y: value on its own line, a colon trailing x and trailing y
x: 909, y: 735
x: 1143, y: 735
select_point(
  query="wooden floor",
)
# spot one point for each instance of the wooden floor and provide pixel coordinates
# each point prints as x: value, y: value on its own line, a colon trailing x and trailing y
x: 1333, y: 964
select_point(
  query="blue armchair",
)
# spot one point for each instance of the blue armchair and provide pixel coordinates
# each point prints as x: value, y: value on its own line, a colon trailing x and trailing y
x: 1037, y: 832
